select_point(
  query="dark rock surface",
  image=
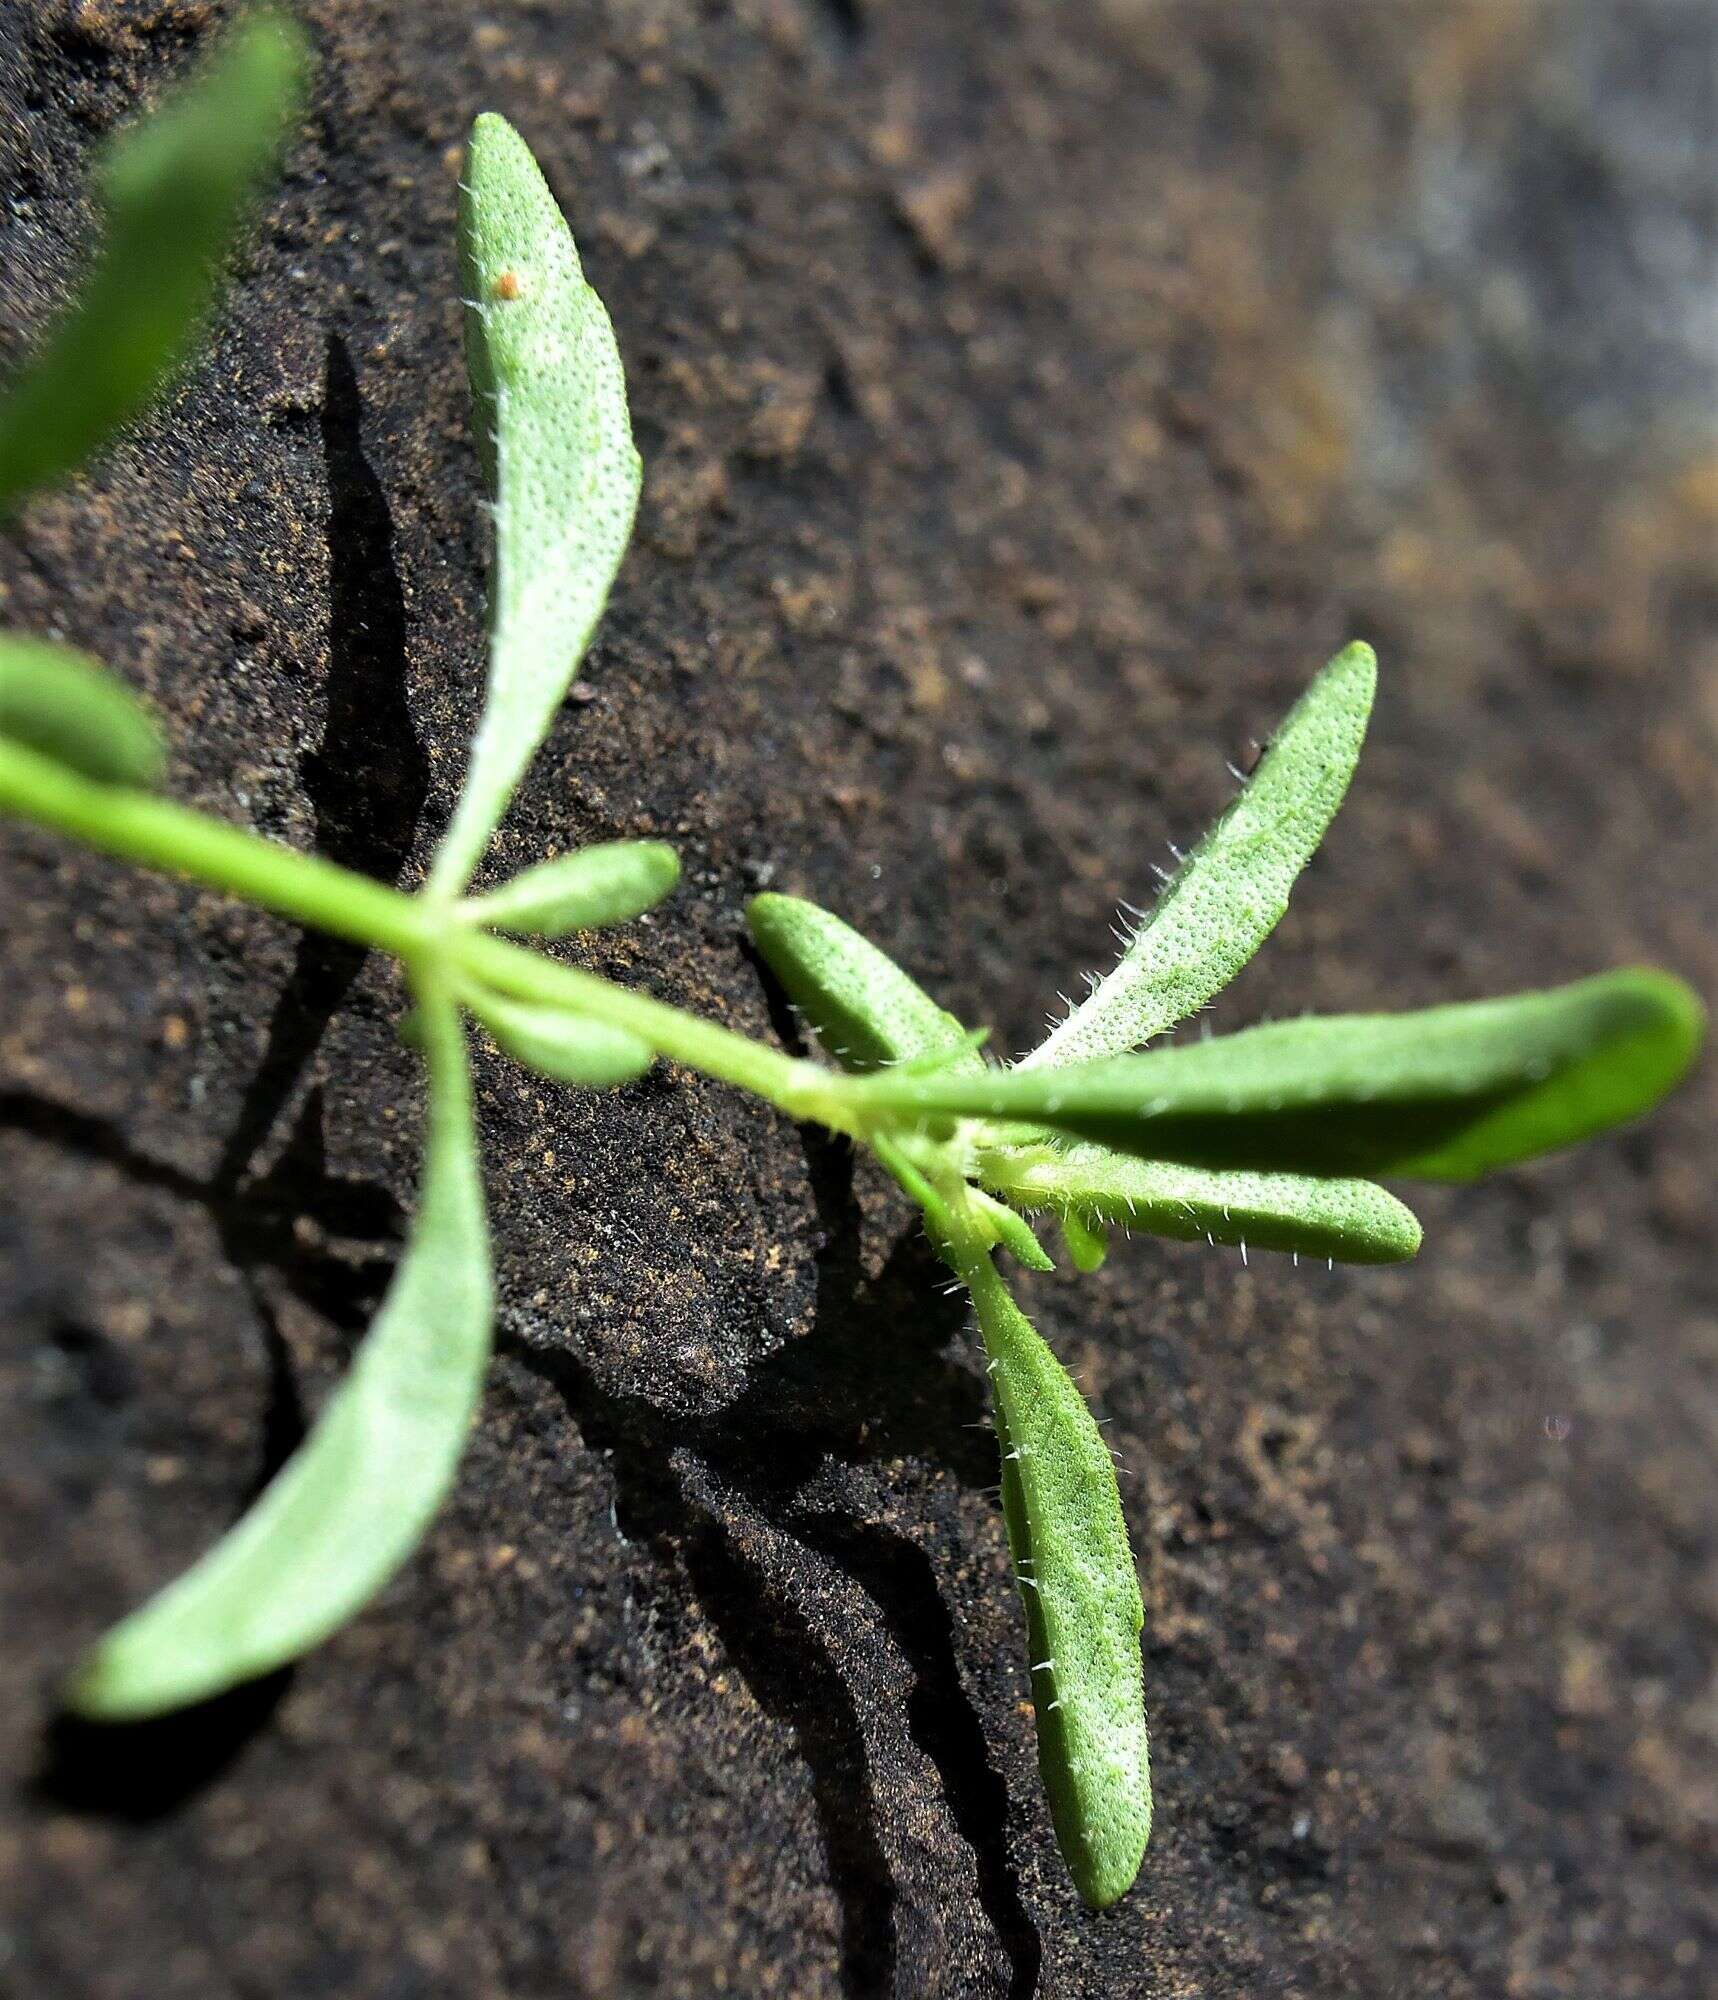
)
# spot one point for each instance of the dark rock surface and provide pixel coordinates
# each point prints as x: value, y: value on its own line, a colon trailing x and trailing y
x: 1031, y: 396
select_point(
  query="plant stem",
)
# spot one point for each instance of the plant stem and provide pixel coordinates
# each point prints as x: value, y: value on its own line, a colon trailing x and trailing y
x: 136, y: 826
x: 418, y: 929
x: 802, y: 1089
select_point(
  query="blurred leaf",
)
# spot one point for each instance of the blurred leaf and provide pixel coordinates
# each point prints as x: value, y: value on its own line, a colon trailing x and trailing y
x: 174, y: 189
x: 63, y: 705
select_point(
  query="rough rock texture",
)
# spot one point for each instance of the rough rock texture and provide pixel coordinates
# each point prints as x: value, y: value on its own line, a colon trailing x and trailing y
x: 1031, y: 396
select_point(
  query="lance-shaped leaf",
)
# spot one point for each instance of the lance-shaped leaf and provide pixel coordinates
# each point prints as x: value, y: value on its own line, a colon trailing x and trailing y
x: 549, y: 400
x: 351, y: 1503
x: 1229, y: 894
x: 63, y: 705
x: 1083, y: 1611
x: 1446, y: 1093
x: 867, y: 1012
x: 173, y: 190
x: 562, y: 1045
x: 1355, y: 1221
x: 607, y: 884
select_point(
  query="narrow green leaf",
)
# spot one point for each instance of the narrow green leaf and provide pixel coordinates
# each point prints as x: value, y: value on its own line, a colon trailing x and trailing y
x: 1355, y: 1221
x: 174, y: 189
x: 1446, y: 1093
x: 1083, y: 1610
x: 549, y: 399
x: 607, y: 884
x: 352, y: 1502
x: 561, y: 1045
x: 866, y: 1011
x: 63, y: 705
x: 1229, y: 894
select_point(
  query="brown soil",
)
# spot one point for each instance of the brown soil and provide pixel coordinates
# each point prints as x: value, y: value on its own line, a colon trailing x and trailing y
x: 1031, y: 397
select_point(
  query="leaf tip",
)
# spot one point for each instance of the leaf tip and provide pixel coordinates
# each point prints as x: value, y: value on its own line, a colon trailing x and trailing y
x: 117, y: 1681
x: 1104, y: 1882
x: 1355, y: 671
x: 1664, y: 1020
x: 1397, y: 1236
x: 780, y: 925
x: 492, y: 144
x: 1675, y: 1007
x: 61, y: 704
x: 505, y: 202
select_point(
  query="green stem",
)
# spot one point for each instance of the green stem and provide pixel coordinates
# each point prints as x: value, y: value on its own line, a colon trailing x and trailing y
x: 802, y: 1089
x: 933, y: 1180
x: 138, y: 827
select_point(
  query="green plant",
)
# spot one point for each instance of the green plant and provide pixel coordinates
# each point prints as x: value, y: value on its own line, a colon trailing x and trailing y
x: 1265, y: 1137
x: 1258, y: 1137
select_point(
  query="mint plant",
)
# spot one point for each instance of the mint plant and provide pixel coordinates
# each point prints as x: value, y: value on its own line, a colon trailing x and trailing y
x: 1273, y: 1136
